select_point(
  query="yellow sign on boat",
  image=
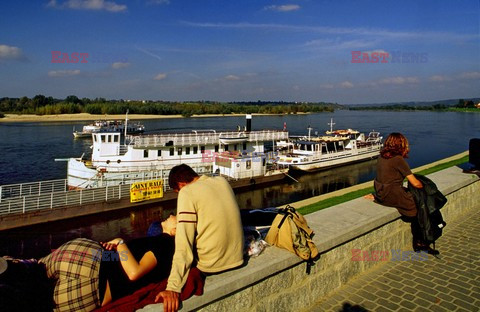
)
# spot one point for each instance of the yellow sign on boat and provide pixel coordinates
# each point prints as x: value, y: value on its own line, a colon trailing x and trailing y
x: 146, y: 190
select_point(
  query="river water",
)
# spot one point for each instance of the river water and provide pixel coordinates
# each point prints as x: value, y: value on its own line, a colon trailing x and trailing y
x: 29, y: 151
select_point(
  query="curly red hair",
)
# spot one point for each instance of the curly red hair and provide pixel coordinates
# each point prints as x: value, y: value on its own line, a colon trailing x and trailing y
x: 395, y: 144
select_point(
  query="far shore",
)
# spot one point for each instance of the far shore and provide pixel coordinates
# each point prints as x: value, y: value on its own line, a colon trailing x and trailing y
x: 90, y: 117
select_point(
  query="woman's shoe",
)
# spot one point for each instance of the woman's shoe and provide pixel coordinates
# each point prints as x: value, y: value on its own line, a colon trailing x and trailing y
x: 418, y: 247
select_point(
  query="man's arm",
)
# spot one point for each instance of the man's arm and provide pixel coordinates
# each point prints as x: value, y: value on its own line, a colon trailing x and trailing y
x: 183, y: 257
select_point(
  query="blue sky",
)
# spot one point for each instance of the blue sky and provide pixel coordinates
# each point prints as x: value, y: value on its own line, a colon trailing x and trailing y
x: 298, y: 50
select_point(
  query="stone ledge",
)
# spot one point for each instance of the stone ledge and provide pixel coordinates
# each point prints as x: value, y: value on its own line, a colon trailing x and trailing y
x: 333, y: 226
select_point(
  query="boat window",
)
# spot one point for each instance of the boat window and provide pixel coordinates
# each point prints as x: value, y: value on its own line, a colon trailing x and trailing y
x: 235, y: 147
x: 195, y: 149
x: 179, y: 151
x: 172, y: 151
x: 263, y: 162
x: 115, y: 138
x: 187, y: 150
x: 95, y: 138
x: 109, y: 138
x: 202, y: 149
x: 145, y: 153
x: 249, y: 164
x: 102, y: 138
x: 216, y: 148
x: 225, y: 147
x: 244, y: 146
x: 159, y: 153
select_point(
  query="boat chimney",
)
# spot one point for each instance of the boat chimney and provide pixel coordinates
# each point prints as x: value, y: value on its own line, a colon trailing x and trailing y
x: 248, y: 127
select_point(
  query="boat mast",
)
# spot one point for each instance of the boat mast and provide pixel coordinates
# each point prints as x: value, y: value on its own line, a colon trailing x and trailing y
x: 126, y: 123
x: 331, y: 123
x: 309, y: 131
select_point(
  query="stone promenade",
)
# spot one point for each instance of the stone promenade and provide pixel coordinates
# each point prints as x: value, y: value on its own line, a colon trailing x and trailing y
x: 448, y: 283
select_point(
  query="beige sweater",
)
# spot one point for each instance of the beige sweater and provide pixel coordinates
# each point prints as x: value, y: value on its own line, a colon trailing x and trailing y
x: 208, y: 220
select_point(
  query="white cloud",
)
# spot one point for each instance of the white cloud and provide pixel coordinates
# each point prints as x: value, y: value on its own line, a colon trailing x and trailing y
x: 120, y: 65
x: 378, y: 33
x: 283, y: 8
x: 160, y: 76
x: 470, y: 75
x: 346, y: 85
x: 327, y: 86
x: 158, y: 2
x: 232, y: 77
x: 398, y: 80
x: 11, y: 53
x: 439, y: 78
x: 96, y: 5
x: 64, y: 73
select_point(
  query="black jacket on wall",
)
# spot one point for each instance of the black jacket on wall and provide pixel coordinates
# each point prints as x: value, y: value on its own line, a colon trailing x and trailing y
x: 429, y: 200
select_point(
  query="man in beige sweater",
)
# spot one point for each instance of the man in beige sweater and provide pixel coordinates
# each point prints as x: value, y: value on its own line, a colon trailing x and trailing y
x: 209, y: 230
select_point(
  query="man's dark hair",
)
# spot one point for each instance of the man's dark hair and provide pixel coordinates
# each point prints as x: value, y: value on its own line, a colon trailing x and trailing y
x: 181, y: 173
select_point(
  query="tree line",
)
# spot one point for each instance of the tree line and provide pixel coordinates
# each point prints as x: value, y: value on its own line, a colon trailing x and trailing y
x: 461, y: 104
x: 42, y: 105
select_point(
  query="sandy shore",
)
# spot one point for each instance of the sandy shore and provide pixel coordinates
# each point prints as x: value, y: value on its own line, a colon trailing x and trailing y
x: 89, y: 117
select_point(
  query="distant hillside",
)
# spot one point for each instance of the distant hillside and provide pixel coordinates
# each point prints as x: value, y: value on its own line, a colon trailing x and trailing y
x: 451, y: 102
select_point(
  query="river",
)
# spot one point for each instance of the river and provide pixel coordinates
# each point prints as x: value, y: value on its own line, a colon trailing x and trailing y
x: 29, y: 151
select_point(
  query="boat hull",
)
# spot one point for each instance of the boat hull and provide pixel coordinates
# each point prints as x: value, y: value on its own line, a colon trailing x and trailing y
x: 312, y: 164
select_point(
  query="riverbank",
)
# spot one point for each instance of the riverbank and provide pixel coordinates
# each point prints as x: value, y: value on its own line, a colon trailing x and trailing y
x: 91, y: 117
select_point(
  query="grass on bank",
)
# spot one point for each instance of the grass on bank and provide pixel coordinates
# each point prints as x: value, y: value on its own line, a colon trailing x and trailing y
x: 359, y: 193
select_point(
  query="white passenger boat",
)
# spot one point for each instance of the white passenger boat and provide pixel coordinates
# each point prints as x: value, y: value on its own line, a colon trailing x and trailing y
x: 337, y: 148
x: 146, y: 157
x: 101, y: 126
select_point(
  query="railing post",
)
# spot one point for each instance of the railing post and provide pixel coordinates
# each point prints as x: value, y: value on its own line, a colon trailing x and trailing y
x: 51, y: 200
x: 119, y: 191
x: 106, y: 193
x: 23, y: 204
x: 81, y: 194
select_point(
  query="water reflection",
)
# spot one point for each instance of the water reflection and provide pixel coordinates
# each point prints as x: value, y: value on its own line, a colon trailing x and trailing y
x: 36, y: 241
x: 308, y: 185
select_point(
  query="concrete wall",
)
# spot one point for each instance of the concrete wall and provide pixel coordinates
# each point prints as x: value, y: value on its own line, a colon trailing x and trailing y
x: 277, y: 280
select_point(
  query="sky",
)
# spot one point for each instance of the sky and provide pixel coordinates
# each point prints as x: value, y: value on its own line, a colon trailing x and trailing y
x: 347, y: 52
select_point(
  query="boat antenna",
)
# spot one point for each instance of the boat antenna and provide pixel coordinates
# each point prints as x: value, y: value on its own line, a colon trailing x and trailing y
x: 331, y: 123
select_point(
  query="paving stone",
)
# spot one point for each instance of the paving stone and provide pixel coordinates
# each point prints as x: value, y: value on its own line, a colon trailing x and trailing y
x: 464, y: 304
x: 450, y: 283
x: 461, y: 296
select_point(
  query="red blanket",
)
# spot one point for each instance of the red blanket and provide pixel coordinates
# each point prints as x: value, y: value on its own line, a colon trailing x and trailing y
x: 147, y: 294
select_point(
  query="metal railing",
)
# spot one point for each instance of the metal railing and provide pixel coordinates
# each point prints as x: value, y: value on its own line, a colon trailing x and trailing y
x: 202, y: 138
x: 55, y: 199
x: 33, y: 188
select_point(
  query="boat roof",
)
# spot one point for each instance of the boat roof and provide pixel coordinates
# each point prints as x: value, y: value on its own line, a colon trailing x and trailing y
x: 321, y: 139
x: 343, y: 132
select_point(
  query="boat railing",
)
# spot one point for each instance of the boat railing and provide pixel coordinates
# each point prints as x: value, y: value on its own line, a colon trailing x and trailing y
x: 202, y: 138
